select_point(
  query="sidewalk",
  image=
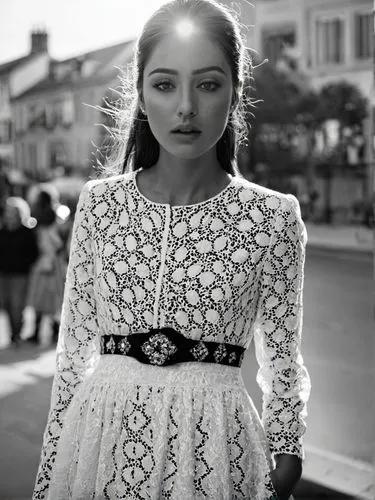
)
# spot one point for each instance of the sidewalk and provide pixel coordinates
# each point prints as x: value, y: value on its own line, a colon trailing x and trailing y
x: 352, y: 238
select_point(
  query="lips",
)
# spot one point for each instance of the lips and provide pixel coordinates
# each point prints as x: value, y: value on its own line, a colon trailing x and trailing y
x: 186, y: 133
x: 186, y: 129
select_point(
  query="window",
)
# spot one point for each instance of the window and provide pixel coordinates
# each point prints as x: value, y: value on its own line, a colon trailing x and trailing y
x: 5, y: 132
x: 37, y: 115
x: 363, y: 35
x: 330, y: 41
x: 58, y: 153
x: 274, y: 42
x: 4, y: 94
x: 50, y: 116
x: 67, y: 111
x: 20, y: 119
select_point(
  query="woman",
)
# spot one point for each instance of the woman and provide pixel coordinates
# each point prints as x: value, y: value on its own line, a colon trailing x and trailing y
x: 175, y: 265
x: 18, y: 252
x: 45, y: 294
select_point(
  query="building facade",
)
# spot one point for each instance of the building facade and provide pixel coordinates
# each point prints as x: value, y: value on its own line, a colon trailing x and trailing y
x: 332, y: 40
x: 56, y: 125
x: 16, y: 77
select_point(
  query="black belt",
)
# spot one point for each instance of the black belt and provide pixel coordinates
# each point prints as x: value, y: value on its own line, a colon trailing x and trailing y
x: 165, y: 346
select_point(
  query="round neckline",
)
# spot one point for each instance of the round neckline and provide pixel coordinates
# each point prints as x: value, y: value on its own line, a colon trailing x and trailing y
x: 208, y: 200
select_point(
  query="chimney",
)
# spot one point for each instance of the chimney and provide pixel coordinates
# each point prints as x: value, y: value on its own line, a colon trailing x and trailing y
x: 39, y: 41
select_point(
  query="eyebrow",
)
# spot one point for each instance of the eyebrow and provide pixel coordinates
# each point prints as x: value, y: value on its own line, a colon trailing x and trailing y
x: 196, y: 72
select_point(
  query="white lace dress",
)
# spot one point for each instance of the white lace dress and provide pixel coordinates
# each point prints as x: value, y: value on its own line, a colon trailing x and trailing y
x: 228, y: 269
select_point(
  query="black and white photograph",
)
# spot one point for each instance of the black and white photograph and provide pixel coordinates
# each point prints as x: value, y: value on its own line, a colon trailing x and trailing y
x: 187, y: 250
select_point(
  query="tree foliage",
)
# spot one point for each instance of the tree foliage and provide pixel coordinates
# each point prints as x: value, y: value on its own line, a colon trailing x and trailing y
x: 289, y: 110
x: 344, y: 102
x: 287, y: 97
x: 277, y: 95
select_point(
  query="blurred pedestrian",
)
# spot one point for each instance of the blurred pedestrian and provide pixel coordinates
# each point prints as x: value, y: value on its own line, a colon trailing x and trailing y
x: 45, y: 294
x: 176, y: 265
x: 18, y: 252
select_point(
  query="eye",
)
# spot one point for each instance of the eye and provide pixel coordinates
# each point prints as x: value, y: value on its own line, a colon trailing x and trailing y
x: 163, y: 85
x: 210, y: 85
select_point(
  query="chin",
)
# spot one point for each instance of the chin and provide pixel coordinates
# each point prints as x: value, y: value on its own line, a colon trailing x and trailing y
x: 187, y: 151
x: 188, y: 155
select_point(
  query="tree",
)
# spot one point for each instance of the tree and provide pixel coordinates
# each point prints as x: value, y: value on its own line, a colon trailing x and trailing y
x: 344, y: 102
x: 285, y: 104
x: 286, y: 99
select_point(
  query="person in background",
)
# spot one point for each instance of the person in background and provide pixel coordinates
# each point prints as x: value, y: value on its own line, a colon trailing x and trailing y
x: 45, y: 294
x: 18, y: 252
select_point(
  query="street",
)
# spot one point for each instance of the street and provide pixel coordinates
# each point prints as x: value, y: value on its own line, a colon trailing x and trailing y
x: 337, y: 348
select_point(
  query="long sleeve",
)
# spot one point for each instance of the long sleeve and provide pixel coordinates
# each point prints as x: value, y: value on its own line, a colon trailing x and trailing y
x: 282, y: 376
x: 78, y: 345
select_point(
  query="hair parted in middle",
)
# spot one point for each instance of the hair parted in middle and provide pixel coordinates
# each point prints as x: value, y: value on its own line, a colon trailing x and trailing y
x: 132, y: 144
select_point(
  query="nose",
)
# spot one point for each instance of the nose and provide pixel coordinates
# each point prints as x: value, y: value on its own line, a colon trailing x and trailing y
x: 187, y: 104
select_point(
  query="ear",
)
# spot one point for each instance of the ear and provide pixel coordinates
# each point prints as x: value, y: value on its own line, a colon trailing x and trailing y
x: 142, y: 106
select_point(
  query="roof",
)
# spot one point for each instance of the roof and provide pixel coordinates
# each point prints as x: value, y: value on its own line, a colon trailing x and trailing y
x: 8, y: 66
x: 104, y: 55
x: 63, y: 73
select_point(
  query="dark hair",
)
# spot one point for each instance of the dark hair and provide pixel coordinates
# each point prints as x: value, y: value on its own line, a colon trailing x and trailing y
x: 44, y: 210
x: 141, y: 148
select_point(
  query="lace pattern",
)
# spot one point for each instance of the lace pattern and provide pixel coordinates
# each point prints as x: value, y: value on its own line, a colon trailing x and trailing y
x: 227, y: 270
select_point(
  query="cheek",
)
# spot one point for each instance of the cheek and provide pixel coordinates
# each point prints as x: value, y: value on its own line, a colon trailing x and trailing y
x: 219, y: 111
x: 158, y: 106
x: 217, y: 116
x: 159, y: 117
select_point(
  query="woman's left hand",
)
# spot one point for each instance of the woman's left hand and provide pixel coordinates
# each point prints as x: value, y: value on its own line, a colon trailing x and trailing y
x: 280, y: 485
x: 286, y: 475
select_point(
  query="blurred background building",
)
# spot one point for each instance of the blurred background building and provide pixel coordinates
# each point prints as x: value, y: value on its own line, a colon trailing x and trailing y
x: 48, y: 120
x: 319, y: 52
x: 324, y: 49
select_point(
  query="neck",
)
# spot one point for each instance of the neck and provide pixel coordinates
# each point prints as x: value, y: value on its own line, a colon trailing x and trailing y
x: 188, y: 181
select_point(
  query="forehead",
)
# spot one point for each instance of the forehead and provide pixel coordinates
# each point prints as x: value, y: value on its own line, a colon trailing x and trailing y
x: 186, y: 54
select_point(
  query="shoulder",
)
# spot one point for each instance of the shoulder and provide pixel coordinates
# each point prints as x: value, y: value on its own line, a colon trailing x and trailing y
x: 257, y: 195
x: 276, y: 210
x: 98, y: 187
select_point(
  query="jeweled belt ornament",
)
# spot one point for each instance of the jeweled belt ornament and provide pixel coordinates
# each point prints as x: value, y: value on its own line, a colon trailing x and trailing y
x: 165, y: 346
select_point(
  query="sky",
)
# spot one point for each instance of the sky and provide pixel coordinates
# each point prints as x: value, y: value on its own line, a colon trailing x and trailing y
x: 74, y: 26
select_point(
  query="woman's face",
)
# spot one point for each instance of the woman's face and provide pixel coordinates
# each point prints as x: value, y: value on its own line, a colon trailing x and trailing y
x: 187, y: 81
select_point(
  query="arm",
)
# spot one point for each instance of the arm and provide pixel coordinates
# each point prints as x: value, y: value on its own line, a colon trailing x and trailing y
x: 78, y: 344
x: 282, y: 376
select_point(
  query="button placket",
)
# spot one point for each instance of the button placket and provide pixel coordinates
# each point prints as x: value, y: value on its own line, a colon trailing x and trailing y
x: 163, y: 253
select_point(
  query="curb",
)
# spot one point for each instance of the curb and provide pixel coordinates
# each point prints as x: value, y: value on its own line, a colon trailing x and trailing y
x: 338, y: 472
x: 328, y: 246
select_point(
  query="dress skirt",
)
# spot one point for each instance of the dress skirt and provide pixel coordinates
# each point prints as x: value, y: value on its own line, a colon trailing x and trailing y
x: 186, y: 431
